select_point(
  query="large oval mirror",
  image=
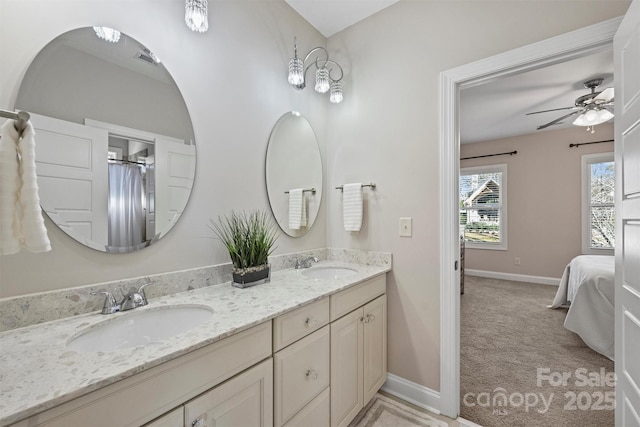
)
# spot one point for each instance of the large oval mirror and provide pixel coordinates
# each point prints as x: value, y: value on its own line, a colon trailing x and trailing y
x: 293, y: 166
x: 115, y: 147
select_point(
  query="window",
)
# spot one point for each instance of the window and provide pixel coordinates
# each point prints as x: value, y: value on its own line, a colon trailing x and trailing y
x: 598, y: 212
x: 483, y: 206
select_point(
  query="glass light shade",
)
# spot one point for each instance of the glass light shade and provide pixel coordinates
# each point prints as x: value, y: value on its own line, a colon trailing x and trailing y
x: 322, y: 80
x: 195, y: 15
x: 108, y: 34
x: 593, y: 117
x: 604, y: 115
x: 335, y: 96
x: 296, y: 71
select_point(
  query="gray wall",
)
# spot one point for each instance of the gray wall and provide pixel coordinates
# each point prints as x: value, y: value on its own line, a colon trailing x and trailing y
x: 387, y: 131
x: 233, y: 80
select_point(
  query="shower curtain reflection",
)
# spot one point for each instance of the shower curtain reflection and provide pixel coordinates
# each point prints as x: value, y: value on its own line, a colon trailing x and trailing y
x: 126, y: 207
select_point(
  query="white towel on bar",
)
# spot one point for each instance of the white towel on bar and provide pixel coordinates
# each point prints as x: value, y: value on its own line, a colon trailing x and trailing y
x: 9, y: 243
x: 21, y: 221
x: 352, y: 206
x: 297, y: 209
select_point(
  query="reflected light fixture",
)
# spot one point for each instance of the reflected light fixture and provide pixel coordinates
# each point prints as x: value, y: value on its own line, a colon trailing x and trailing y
x: 108, y: 34
x: 325, y: 81
x: 195, y: 15
x: 593, y: 116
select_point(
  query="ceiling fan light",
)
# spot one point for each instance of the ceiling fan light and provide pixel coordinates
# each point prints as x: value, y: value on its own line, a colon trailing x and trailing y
x: 591, y: 117
x: 604, y: 115
x: 581, y: 121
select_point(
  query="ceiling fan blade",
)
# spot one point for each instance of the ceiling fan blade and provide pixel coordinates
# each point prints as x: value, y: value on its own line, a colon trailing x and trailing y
x: 559, y: 119
x: 547, y: 111
x: 606, y: 95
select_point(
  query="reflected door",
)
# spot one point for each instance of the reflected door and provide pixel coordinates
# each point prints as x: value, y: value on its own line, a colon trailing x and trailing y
x: 72, y: 177
x: 175, y: 171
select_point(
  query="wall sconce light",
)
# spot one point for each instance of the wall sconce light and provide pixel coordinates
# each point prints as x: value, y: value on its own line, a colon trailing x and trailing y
x: 108, y: 34
x: 195, y: 15
x: 325, y: 81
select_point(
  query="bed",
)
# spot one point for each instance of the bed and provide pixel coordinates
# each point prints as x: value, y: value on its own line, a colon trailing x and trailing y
x: 587, y: 287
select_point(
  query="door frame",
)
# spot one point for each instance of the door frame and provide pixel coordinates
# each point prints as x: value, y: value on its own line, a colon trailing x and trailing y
x: 575, y: 44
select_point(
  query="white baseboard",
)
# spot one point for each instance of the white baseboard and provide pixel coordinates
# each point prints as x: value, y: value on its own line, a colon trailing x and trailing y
x: 466, y: 423
x: 515, y: 277
x: 414, y: 393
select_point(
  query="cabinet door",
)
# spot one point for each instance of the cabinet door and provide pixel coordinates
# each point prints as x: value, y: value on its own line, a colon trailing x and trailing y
x: 375, y: 346
x: 246, y: 400
x: 346, y: 368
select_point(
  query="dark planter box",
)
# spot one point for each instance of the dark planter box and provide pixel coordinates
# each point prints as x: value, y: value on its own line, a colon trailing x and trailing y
x: 251, y: 277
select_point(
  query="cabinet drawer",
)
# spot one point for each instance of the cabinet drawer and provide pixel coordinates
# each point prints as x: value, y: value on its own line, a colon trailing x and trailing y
x: 301, y: 372
x: 352, y: 298
x: 299, y: 323
x: 315, y: 414
x: 174, y: 418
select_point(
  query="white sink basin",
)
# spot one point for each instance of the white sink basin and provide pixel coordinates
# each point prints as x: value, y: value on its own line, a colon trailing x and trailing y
x: 329, y: 272
x: 140, y: 327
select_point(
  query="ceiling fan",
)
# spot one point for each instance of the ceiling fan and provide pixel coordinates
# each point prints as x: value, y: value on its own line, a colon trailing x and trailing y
x: 592, y: 108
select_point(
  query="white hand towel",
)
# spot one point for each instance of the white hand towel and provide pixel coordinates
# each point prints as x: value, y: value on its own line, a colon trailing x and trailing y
x: 296, y: 207
x: 352, y: 206
x: 19, y: 197
x: 34, y: 231
x: 303, y: 218
x: 9, y: 242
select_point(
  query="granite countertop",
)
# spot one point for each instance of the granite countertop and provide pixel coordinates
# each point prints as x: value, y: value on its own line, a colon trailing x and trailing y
x: 38, y: 371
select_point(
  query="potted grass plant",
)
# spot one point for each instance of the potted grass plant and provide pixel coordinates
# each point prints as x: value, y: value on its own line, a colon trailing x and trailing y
x: 249, y: 238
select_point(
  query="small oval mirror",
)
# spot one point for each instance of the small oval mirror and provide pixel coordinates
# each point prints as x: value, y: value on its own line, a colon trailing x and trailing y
x: 293, y: 161
x: 115, y: 147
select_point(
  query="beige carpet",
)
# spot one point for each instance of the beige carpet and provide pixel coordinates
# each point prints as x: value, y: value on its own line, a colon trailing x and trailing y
x: 507, y: 336
x: 383, y: 411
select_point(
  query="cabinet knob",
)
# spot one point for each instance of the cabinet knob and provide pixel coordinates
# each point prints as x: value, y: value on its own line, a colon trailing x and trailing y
x: 370, y: 318
x: 311, y: 374
x: 198, y: 422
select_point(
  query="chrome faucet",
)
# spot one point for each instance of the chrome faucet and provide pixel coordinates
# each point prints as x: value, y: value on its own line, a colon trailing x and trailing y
x: 134, y: 298
x: 305, y: 262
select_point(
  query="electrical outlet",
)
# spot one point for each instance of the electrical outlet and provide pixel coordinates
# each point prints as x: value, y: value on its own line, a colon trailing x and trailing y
x: 516, y: 261
x: 405, y: 227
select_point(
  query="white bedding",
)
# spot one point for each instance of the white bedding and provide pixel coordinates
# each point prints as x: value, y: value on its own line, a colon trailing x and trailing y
x: 588, y: 285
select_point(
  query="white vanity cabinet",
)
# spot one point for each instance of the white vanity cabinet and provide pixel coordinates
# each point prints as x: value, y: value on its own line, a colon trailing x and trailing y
x: 301, y: 365
x: 337, y: 360
x: 313, y: 366
x: 358, y: 349
x: 143, y: 397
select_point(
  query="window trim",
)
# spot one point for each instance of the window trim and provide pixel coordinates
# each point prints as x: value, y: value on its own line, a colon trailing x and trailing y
x: 502, y: 168
x: 587, y: 160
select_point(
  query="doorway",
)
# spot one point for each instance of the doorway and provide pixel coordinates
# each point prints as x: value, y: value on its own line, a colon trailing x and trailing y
x: 586, y: 41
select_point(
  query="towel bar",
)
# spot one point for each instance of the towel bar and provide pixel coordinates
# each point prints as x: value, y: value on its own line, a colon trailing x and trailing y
x: 306, y: 190
x: 372, y: 185
x: 21, y: 118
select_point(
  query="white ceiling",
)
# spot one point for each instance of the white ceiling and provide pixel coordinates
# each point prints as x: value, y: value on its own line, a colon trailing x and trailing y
x: 497, y: 109
x: 492, y: 110
x: 332, y: 16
